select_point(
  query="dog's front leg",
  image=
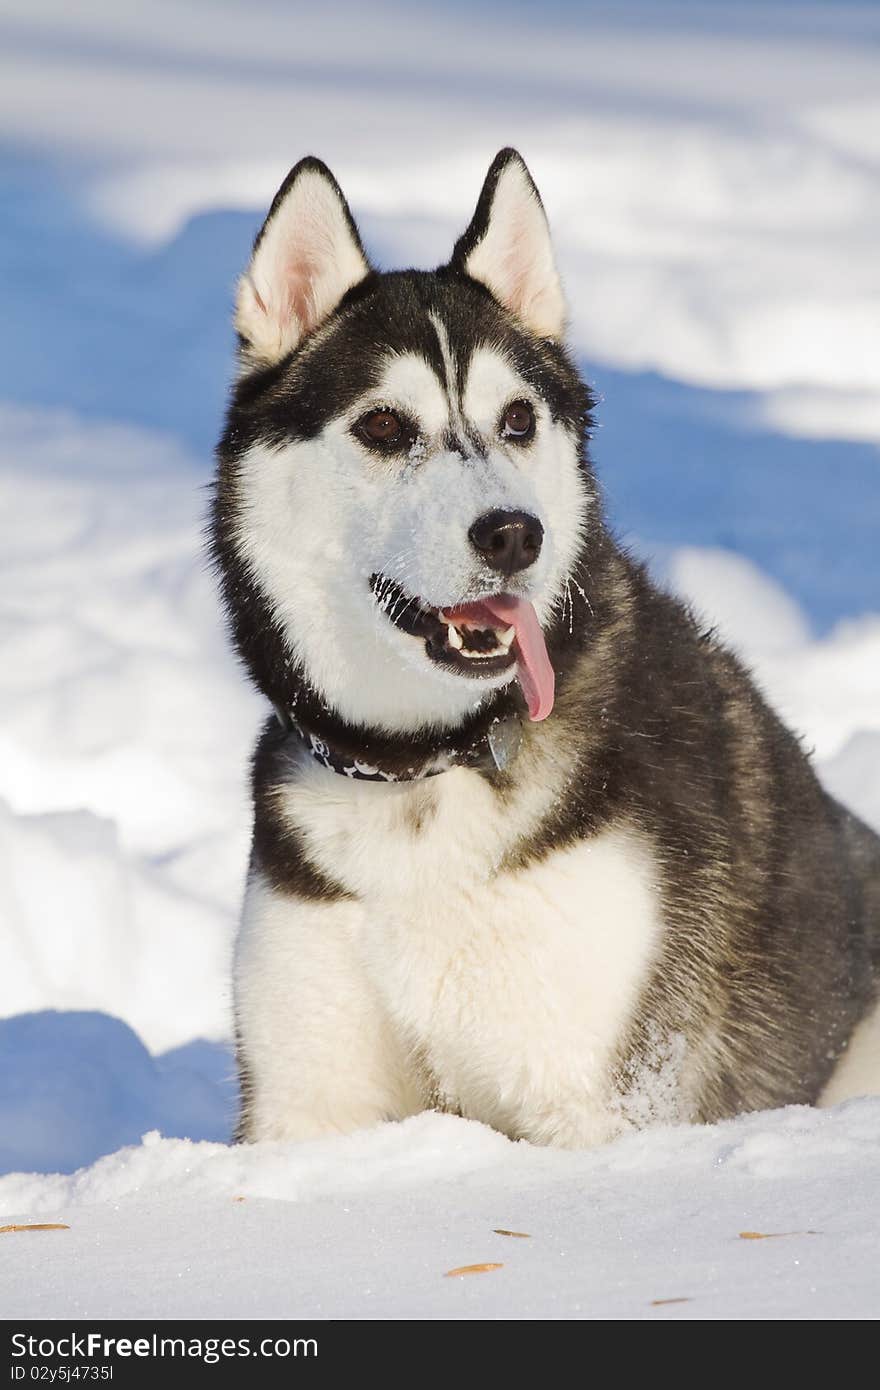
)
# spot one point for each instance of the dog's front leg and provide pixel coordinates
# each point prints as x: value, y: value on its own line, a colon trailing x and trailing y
x: 317, y: 1054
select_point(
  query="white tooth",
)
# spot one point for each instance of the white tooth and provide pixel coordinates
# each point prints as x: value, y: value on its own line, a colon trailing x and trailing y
x: 481, y: 656
x: 506, y: 637
x: 453, y: 637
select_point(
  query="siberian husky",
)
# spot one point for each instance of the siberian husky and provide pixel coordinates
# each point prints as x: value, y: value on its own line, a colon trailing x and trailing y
x: 528, y: 844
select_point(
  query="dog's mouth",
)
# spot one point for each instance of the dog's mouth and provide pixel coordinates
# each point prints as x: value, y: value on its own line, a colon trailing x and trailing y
x: 477, y: 640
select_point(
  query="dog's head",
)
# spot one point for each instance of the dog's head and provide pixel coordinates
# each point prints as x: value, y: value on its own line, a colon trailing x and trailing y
x: 403, y: 496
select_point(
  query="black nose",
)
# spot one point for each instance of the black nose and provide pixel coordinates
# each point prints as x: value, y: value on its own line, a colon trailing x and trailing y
x: 507, y: 541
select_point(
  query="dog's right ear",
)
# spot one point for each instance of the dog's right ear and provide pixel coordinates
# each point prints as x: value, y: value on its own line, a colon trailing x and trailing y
x: 307, y: 255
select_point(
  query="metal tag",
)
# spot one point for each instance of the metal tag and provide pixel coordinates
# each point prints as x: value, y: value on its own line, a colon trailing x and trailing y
x: 504, y: 737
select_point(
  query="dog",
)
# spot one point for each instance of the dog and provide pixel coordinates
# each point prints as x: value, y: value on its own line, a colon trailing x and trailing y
x: 528, y: 845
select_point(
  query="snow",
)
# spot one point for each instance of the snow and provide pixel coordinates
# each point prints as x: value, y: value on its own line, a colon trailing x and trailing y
x: 368, y: 1225
x: 77, y: 1085
x: 713, y: 181
x: 124, y: 733
x: 714, y: 203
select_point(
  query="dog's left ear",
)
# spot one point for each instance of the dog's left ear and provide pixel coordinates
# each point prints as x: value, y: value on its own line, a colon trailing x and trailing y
x: 507, y: 248
x: 307, y: 255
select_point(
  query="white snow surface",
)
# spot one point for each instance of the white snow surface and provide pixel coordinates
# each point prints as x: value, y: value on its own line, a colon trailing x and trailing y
x: 369, y: 1226
x: 713, y: 176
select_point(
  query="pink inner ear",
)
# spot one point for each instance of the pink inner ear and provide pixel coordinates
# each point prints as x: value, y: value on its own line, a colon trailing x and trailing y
x: 517, y: 268
x: 299, y: 292
x: 306, y: 270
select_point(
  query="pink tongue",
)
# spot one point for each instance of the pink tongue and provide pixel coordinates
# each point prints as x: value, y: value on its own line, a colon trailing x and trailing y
x: 534, y: 672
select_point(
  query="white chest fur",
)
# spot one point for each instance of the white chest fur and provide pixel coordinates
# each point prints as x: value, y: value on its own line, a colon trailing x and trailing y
x: 513, y: 983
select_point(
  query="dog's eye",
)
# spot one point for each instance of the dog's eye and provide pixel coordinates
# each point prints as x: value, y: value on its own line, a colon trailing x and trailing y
x: 518, y: 421
x: 380, y: 427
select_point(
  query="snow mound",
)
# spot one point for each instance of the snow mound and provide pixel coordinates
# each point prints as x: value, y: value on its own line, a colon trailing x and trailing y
x: 125, y: 730
x: 117, y: 681
x: 75, y: 1086
x: 86, y: 925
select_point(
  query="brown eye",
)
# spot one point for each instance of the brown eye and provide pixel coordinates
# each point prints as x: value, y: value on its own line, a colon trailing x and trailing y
x: 518, y: 421
x: 380, y: 427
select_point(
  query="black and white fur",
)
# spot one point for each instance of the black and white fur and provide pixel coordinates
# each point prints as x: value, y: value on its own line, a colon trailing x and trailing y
x: 655, y: 912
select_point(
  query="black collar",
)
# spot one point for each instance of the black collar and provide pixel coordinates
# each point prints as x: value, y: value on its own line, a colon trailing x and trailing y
x: 491, y: 747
